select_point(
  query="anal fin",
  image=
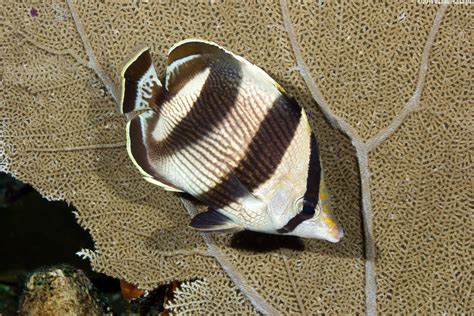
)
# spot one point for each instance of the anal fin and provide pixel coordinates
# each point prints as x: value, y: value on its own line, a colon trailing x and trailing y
x: 214, y: 221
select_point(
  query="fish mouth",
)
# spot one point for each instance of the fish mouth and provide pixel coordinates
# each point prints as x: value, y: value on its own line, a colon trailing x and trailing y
x: 335, y: 234
x: 334, y: 230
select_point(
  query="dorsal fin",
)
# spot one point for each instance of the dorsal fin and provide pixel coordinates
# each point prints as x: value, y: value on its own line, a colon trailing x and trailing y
x: 189, y: 58
x: 213, y: 221
x: 140, y: 86
x: 191, y: 47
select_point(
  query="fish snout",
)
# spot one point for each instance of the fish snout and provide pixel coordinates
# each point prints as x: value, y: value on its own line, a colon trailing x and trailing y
x: 337, y: 234
x: 335, y: 231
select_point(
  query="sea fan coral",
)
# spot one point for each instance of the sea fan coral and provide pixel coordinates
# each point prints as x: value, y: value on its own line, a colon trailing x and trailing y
x: 387, y: 85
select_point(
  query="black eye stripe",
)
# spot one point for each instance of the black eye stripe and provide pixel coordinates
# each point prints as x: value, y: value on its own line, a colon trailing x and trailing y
x: 311, y: 196
x: 308, y: 209
x: 294, y: 222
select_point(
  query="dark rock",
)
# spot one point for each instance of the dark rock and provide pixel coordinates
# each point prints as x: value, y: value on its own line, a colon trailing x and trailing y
x: 61, y: 290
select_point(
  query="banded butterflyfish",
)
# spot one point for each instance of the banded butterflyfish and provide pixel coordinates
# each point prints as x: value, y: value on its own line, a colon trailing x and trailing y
x: 222, y: 130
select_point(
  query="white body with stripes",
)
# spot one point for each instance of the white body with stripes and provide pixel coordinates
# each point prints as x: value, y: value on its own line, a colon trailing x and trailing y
x: 223, y: 131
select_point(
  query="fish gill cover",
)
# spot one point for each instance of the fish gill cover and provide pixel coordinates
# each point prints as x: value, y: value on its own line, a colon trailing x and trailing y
x: 386, y: 87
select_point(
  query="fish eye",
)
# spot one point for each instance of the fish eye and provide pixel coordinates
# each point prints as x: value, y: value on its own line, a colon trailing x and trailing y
x: 299, y: 204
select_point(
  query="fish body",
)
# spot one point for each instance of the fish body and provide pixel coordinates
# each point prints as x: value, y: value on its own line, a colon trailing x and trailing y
x: 222, y: 130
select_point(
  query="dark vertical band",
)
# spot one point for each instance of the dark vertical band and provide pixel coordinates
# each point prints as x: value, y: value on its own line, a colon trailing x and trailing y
x: 258, y: 165
x: 311, y: 196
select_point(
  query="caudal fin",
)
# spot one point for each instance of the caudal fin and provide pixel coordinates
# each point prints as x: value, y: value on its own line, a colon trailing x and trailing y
x: 139, y: 82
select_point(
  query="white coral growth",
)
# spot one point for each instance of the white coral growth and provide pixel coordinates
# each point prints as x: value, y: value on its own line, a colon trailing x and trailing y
x: 190, y: 298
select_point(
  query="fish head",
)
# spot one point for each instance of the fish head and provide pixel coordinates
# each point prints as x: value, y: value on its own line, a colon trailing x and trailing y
x: 322, y: 225
x: 288, y: 201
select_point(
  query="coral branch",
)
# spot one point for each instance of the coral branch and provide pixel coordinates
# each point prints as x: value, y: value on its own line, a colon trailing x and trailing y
x: 76, y: 148
x: 341, y: 124
x: 335, y: 120
x: 93, y: 64
x: 413, y: 102
x: 367, y: 224
x: 364, y: 148
x: 29, y: 38
x: 257, y: 301
x: 293, y: 284
x: 70, y: 52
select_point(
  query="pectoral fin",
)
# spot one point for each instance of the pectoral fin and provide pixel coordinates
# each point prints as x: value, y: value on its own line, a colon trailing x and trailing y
x: 214, y: 221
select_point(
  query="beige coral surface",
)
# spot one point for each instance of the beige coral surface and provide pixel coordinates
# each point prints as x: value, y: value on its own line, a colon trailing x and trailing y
x: 389, y: 90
